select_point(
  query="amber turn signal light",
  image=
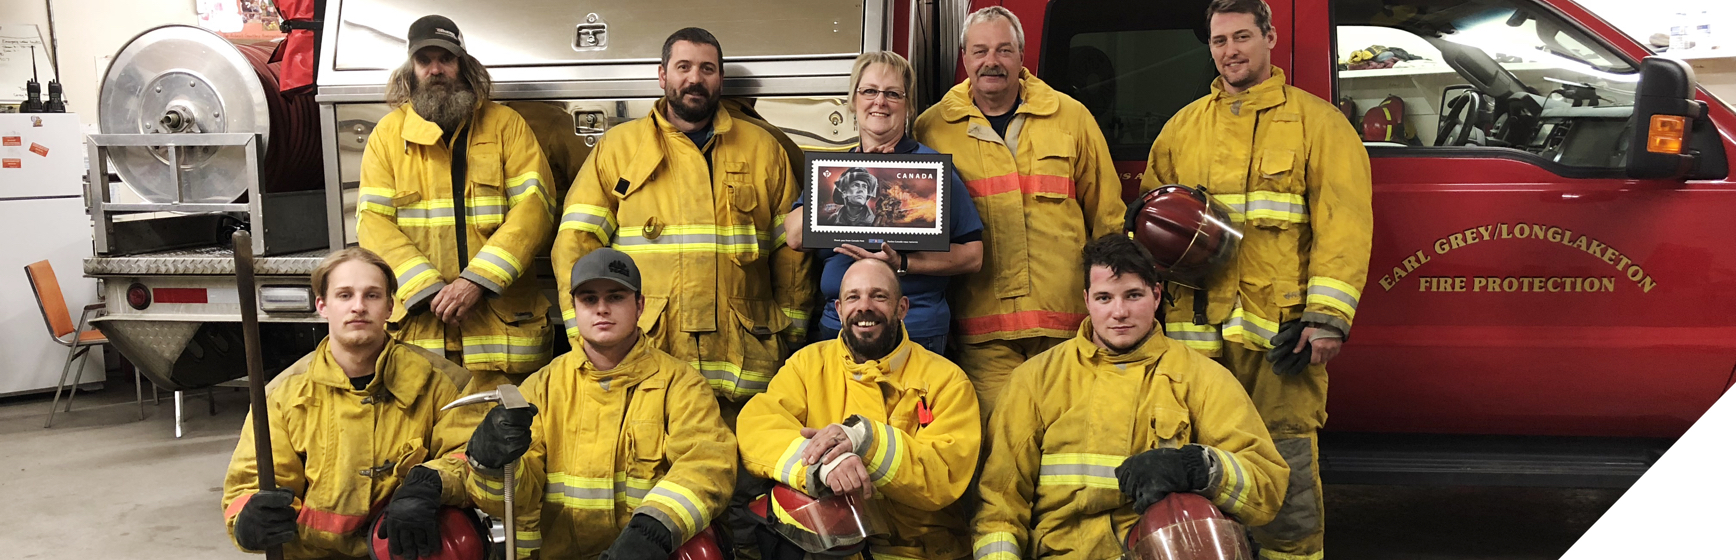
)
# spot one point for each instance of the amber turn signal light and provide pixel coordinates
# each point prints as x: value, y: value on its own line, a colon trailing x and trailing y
x: 1666, y: 134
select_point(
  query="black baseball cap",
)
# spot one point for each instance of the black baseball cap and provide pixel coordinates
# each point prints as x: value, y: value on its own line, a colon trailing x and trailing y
x: 606, y: 264
x: 436, y: 31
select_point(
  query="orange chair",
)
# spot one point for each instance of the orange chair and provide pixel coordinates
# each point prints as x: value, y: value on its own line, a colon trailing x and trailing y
x: 60, y: 326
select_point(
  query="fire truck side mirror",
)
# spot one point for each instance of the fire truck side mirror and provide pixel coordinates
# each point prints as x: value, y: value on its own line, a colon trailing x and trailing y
x: 1665, y: 115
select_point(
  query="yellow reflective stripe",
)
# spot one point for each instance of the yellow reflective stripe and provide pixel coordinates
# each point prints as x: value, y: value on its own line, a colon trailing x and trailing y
x: 696, y: 238
x: 887, y: 456
x: 435, y: 344
x: 427, y: 213
x: 597, y: 220
x: 1244, y: 326
x: 1277, y: 206
x: 499, y: 263
x: 1204, y: 338
x: 1333, y: 293
x: 783, y: 236
x: 412, y: 275
x: 681, y: 501
x: 996, y: 546
x: 579, y: 492
x: 1236, y: 202
x: 528, y: 541
x: 482, y: 349
x: 1079, y: 469
x: 790, y: 463
x: 728, y: 377
x: 1227, y: 495
x: 377, y: 200
x: 517, y: 188
x: 1275, y: 555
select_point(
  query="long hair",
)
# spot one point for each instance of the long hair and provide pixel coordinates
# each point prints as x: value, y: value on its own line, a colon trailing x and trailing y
x: 474, y: 74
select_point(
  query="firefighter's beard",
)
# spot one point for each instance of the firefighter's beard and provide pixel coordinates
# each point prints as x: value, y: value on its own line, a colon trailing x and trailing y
x: 692, y: 113
x: 443, y: 100
x: 879, y: 342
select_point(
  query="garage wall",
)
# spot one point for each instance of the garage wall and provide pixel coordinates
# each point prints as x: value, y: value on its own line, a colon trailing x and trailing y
x: 87, y: 30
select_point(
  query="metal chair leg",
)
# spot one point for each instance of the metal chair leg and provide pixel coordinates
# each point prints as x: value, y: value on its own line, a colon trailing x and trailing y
x: 83, y: 358
x: 65, y: 367
x: 177, y: 414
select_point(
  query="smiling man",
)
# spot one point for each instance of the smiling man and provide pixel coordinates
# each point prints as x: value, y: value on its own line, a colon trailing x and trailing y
x: 1098, y: 428
x: 1040, y: 173
x: 626, y: 456
x: 360, y: 403
x: 874, y: 414
x: 1296, y: 177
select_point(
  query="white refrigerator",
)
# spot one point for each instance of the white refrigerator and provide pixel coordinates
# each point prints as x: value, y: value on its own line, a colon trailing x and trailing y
x: 42, y: 216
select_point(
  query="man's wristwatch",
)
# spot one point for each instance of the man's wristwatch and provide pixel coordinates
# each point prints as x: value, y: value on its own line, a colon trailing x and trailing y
x: 903, y: 264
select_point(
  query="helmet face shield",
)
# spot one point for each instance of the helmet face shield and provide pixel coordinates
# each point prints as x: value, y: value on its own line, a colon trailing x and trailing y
x: 836, y: 524
x: 1186, y: 526
x: 1188, y: 232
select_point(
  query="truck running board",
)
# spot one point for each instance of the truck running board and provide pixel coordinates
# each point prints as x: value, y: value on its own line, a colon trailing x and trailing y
x: 1465, y: 460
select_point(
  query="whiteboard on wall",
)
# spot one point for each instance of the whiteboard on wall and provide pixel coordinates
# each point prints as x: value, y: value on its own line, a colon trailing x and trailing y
x: 16, y: 41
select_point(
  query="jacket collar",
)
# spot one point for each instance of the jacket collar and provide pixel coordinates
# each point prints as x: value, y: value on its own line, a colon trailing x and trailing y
x: 1151, y: 348
x: 1264, y: 95
x: 907, y: 145
x: 625, y: 374
x: 1035, y: 98
x: 404, y: 386
x: 889, y: 370
x: 418, y: 130
x: 721, y: 122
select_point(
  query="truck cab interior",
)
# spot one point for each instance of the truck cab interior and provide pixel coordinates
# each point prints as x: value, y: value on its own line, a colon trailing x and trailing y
x: 1484, y: 73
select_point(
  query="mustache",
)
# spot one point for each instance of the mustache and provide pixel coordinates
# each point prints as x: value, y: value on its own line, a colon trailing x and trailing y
x: 868, y: 315
x: 991, y: 70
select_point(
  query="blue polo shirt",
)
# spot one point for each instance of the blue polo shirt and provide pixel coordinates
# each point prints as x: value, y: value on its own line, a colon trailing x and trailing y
x: 929, y: 314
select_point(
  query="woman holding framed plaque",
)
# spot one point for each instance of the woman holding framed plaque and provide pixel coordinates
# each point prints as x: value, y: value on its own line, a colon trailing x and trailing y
x: 880, y: 87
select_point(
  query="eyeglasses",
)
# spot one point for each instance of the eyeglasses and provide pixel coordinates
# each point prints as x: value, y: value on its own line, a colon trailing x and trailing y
x: 871, y: 93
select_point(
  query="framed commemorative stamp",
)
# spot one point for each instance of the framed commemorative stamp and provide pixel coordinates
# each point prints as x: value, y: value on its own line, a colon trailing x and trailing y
x: 869, y: 199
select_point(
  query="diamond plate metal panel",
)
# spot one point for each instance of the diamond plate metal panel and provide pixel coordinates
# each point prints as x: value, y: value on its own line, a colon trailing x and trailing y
x: 207, y: 261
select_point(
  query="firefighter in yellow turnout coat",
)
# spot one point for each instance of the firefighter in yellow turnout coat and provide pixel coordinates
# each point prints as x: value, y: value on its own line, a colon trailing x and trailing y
x: 1038, y: 169
x: 701, y: 200
x: 1296, y: 178
x: 471, y: 306
x: 627, y: 452
x: 908, y: 415
x: 1097, y: 428
x: 342, y: 445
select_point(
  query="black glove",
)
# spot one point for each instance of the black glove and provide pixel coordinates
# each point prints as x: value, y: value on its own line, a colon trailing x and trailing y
x: 267, y: 520
x: 1284, y: 361
x: 1148, y: 477
x: 411, y: 527
x: 643, y: 539
x: 502, y: 437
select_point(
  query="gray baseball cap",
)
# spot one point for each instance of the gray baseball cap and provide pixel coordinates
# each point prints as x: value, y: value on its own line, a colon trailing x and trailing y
x: 606, y: 264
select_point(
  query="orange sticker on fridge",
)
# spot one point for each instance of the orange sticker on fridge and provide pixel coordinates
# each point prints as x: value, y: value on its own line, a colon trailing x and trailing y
x: 12, y: 140
x: 39, y: 149
x: 11, y: 163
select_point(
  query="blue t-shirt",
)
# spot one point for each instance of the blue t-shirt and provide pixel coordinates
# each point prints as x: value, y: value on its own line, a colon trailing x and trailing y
x: 929, y: 314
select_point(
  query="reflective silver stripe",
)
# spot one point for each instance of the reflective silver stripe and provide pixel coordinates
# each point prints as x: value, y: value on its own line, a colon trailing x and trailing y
x: 1237, y: 322
x: 531, y: 543
x: 1076, y: 470
x: 470, y: 349
x: 734, y: 380
x: 997, y: 546
x: 425, y: 213
x: 423, y: 295
x: 485, y: 488
x: 1241, y: 477
x: 1334, y: 293
x: 891, y: 452
x: 515, y: 192
x: 789, y: 467
x: 599, y: 222
x: 693, y: 510
x: 491, y: 285
x: 409, y: 275
x: 496, y: 260
x: 385, y: 201
x: 489, y: 210
x: 583, y: 493
x: 1277, y: 206
x: 738, y: 240
x: 1195, y: 336
x: 571, y: 322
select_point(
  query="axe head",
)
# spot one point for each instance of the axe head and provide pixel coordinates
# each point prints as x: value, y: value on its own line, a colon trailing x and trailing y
x: 507, y: 395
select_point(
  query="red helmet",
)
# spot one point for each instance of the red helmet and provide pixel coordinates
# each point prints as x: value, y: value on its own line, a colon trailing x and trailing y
x: 1187, y: 232
x: 703, y: 546
x: 836, y: 525
x: 1186, y: 526
x: 462, y: 536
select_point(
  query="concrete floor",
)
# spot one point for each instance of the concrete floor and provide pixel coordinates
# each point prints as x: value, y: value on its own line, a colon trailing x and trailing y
x: 102, y: 484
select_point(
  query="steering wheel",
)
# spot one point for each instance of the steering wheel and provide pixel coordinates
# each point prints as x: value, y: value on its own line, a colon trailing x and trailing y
x: 1455, y: 129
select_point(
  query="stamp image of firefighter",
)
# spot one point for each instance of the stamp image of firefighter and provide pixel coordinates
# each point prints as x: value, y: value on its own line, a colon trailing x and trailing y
x: 866, y: 199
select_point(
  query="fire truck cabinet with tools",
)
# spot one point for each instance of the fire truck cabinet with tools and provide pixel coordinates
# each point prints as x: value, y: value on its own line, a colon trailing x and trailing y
x: 1548, y: 297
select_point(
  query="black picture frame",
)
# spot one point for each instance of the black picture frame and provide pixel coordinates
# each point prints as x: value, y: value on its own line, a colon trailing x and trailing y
x: 868, y: 199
